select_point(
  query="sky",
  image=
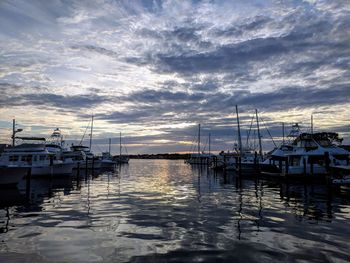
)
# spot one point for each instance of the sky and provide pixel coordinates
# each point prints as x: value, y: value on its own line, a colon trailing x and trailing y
x: 154, y: 70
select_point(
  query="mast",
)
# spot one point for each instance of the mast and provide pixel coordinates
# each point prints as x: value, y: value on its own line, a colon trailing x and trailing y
x: 209, y: 143
x: 239, y: 134
x: 92, y: 126
x: 109, y: 146
x: 283, y: 133
x: 120, y: 146
x: 199, y: 139
x: 13, y: 132
x: 312, y: 124
x: 259, y: 137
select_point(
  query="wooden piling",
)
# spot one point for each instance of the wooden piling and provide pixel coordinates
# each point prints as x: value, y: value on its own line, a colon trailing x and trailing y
x: 326, y: 161
x: 28, y: 180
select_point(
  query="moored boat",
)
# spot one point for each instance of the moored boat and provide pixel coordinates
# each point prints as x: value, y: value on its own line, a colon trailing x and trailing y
x: 11, y: 175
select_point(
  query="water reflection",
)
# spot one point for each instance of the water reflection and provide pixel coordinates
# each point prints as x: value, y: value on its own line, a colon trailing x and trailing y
x: 167, y: 211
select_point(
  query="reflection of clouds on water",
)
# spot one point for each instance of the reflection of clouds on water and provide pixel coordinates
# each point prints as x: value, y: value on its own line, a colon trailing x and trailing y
x: 159, y: 209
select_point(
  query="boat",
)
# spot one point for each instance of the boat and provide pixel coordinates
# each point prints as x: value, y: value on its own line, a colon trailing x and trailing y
x: 121, y: 159
x: 107, y: 162
x: 82, y: 157
x: 201, y: 158
x: 313, y: 154
x: 242, y: 158
x: 12, y: 175
x: 36, y: 157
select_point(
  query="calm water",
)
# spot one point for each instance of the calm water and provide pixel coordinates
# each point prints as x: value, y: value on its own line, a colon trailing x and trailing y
x: 166, y: 211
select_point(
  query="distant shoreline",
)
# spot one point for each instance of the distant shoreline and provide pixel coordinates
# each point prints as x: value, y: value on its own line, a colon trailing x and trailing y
x: 170, y: 156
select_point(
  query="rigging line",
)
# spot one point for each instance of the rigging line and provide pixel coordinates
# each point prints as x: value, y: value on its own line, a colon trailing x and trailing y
x: 192, y: 150
x: 248, y: 135
x: 268, y: 131
x: 82, y: 138
x: 205, y: 145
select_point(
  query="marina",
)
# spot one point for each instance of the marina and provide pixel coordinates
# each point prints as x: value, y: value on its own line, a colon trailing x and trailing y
x: 174, y: 131
x: 205, y: 207
x: 155, y: 210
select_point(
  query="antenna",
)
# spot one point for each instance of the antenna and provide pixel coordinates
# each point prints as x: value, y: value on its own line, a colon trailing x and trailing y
x: 199, y: 139
x: 239, y: 134
x: 259, y: 136
x: 92, y: 126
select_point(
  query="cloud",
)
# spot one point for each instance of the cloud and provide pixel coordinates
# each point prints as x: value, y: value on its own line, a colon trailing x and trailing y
x: 154, y: 66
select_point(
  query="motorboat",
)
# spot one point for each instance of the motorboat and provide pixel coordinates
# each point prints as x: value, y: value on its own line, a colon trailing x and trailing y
x: 37, y: 158
x: 12, y: 175
x: 311, y: 154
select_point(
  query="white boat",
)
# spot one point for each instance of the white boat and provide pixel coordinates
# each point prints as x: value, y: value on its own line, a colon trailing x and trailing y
x: 341, y: 181
x: 201, y: 158
x: 316, y: 154
x: 11, y: 175
x: 107, y: 161
x: 121, y: 159
x: 82, y: 157
x: 36, y: 157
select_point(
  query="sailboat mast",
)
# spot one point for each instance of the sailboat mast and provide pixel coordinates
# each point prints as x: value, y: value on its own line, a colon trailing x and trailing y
x: 209, y: 143
x: 259, y: 136
x: 283, y: 133
x: 120, y: 145
x: 92, y: 127
x: 109, y: 146
x: 199, y: 139
x: 312, y: 124
x: 13, y: 132
x: 239, y: 134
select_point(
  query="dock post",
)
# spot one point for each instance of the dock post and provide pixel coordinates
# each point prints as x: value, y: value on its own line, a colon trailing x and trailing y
x: 326, y: 161
x: 78, y: 170
x: 239, y: 166
x: 287, y: 167
x: 280, y: 164
x: 255, y: 160
x: 86, y: 167
x: 28, y: 178
x: 304, y: 166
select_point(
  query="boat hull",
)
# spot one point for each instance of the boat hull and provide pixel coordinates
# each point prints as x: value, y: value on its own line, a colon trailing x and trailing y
x: 56, y: 169
x: 12, y: 175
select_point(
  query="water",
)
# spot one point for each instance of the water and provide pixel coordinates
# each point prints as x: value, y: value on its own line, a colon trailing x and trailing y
x: 166, y: 211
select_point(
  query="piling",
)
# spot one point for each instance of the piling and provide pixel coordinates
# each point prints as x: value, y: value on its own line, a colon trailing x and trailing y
x: 280, y: 164
x: 311, y: 167
x: 28, y: 179
x: 93, y: 165
x: 326, y: 161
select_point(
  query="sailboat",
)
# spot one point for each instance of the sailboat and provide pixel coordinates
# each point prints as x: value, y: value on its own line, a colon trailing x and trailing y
x: 241, y: 158
x: 200, y: 158
x: 106, y: 159
x: 121, y: 159
x: 82, y: 155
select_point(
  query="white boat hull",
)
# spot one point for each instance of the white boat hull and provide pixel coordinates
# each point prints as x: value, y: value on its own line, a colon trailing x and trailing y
x: 82, y: 164
x: 107, y: 164
x: 299, y: 170
x: 56, y: 169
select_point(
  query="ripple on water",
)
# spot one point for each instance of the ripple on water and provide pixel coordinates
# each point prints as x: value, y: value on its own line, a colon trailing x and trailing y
x: 159, y: 210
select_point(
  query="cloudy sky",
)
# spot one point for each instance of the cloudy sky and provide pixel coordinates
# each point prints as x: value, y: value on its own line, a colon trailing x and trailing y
x: 155, y: 69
